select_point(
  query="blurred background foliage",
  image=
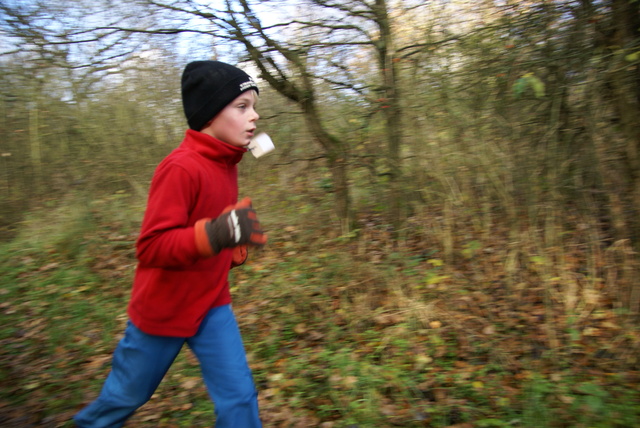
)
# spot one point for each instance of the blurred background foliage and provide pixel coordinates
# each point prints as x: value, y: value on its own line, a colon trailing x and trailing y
x: 523, y: 114
x: 464, y: 169
x: 518, y: 109
x: 512, y: 116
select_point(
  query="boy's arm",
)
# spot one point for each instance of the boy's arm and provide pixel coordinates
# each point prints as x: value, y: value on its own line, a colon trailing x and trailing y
x: 166, y: 237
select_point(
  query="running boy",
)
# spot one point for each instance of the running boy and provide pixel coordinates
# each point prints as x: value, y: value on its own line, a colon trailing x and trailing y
x: 192, y: 233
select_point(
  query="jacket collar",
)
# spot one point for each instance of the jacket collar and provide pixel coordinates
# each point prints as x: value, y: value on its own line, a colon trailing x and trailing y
x: 212, y: 148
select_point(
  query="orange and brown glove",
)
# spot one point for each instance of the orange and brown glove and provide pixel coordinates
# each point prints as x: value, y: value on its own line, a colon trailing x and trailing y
x: 237, y: 226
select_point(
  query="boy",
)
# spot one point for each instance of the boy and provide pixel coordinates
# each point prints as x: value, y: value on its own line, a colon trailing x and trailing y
x: 193, y: 232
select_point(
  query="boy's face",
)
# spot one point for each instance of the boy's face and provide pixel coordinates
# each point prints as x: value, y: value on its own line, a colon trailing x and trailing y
x: 236, y: 123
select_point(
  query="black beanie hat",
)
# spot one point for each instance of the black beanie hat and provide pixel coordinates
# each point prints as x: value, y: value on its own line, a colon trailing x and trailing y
x: 207, y: 88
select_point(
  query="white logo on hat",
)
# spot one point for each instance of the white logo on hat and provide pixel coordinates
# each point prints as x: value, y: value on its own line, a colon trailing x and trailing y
x: 247, y: 85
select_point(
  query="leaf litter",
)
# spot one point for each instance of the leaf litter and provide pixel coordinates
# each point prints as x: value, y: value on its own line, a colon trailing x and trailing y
x: 332, y: 338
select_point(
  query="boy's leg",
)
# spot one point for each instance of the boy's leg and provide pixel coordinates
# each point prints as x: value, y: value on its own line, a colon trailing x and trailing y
x: 140, y: 361
x: 219, y: 349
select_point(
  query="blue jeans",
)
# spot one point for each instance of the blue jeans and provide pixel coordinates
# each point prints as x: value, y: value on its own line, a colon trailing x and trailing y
x: 141, y: 360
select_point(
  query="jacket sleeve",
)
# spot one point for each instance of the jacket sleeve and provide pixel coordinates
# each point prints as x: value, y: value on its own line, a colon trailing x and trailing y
x: 167, y: 237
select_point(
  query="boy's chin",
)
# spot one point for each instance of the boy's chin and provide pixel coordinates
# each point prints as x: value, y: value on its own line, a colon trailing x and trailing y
x: 240, y: 144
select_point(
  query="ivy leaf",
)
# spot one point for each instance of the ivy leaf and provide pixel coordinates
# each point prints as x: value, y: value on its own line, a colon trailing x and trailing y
x: 633, y: 57
x: 529, y: 80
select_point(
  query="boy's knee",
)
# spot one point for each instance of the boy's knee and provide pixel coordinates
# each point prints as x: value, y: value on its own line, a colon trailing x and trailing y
x: 117, y: 396
x: 244, y: 393
x: 238, y: 395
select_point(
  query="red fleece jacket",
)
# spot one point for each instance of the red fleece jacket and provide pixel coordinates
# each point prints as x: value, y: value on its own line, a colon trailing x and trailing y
x: 174, y: 285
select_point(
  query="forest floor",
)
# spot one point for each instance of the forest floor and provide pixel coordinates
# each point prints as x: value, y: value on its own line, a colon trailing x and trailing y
x: 340, y: 332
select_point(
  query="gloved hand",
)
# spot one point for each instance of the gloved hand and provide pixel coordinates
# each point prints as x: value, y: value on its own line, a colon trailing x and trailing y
x: 237, y: 225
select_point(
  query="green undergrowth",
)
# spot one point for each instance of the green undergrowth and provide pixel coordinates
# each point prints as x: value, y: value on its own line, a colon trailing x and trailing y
x: 339, y: 333
x: 365, y: 349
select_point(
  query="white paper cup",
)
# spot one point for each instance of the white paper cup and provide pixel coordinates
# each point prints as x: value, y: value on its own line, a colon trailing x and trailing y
x: 260, y: 145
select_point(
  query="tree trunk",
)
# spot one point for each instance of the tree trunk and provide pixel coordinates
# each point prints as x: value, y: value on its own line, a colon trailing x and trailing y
x: 35, y: 149
x: 337, y: 162
x: 624, y: 79
x: 392, y: 111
